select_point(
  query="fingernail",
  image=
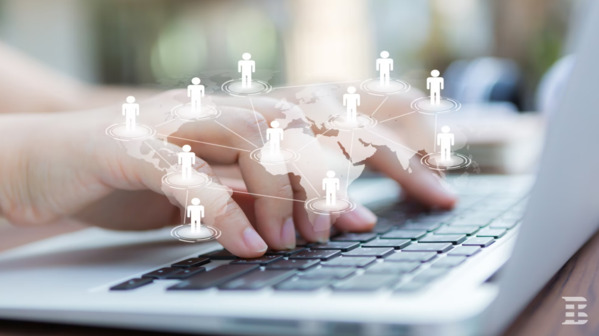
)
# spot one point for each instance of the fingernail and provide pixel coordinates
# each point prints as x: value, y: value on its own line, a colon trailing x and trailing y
x: 362, y: 215
x: 322, y: 226
x: 288, y: 233
x: 253, y: 241
x: 445, y: 186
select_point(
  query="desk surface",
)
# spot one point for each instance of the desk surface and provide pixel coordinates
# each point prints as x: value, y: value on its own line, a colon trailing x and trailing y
x: 543, y: 316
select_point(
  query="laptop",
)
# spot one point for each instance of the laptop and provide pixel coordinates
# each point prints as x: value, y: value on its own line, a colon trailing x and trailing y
x: 468, y: 271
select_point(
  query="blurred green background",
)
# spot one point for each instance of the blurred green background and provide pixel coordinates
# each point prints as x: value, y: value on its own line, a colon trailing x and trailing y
x: 160, y: 43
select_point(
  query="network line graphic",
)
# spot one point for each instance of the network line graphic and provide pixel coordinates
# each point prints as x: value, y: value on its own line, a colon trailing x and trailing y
x: 282, y: 148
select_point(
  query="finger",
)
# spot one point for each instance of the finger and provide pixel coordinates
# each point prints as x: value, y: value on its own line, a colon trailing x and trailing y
x: 306, y: 174
x: 242, y: 131
x: 403, y: 165
x: 127, y: 170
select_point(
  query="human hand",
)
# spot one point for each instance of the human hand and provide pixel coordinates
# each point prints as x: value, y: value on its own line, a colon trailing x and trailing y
x: 64, y: 165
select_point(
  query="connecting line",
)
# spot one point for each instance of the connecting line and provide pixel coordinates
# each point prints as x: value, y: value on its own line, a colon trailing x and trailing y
x: 185, y: 206
x: 351, y: 148
x: 256, y: 117
x: 393, y: 142
x: 313, y: 140
x: 260, y: 195
x: 205, y: 143
x: 380, y: 105
x: 232, y: 131
x: 307, y: 180
x: 393, y: 118
x: 156, y: 152
x: 316, y: 84
x: 435, y: 136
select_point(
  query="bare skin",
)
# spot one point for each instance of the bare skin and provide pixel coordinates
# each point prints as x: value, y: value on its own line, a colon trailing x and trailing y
x: 59, y: 163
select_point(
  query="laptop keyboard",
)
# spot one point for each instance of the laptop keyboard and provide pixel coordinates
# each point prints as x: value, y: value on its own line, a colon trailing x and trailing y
x: 408, y: 249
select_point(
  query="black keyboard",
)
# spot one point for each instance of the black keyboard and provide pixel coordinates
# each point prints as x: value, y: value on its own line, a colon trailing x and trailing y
x: 408, y: 249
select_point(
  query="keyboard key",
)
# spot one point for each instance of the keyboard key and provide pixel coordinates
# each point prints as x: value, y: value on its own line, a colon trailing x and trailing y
x: 479, y: 241
x: 488, y: 232
x: 382, y: 227
x: 411, y: 256
x: 184, y: 273
x: 409, y: 286
x: 355, y: 237
x: 503, y: 224
x: 258, y: 279
x: 328, y: 273
x: 132, y: 284
x: 462, y: 229
x: 309, y: 254
x: 219, y: 255
x: 393, y: 267
x: 430, y: 274
x: 369, y: 252
x: 300, y: 264
x: 161, y: 273
x: 420, y: 226
x: 286, y: 252
x: 214, y: 277
x: 404, y: 234
x: 470, y: 222
x: 394, y: 243
x: 448, y: 262
x: 464, y: 251
x: 434, y: 238
x: 429, y: 247
x: 263, y: 260
x: 366, y: 282
x: 191, y: 262
x: 349, y: 262
x: 335, y: 245
x: 303, y: 284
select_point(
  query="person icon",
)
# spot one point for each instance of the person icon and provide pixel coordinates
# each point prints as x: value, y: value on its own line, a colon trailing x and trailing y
x: 384, y: 65
x: 195, y: 92
x: 130, y: 111
x: 330, y: 185
x: 186, y: 159
x: 195, y: 212
x: 351, y: 100
x: 435, y: 84
x: 274, y: 135
x: 445, y: 140
x: 246, y: 66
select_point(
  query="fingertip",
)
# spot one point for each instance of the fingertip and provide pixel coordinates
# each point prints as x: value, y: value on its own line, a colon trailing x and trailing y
x: 255, y: 245
x: 360, y: 219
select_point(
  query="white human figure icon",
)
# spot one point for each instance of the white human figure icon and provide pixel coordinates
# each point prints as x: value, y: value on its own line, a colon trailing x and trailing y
x: 246, y: 66
x: 384, y: 65
x: 130, y: 111
x: 195, y: 91
x: 330, y: 184
x: 274, y: 135
x: 435, y: 84
x: 445, y: 140
x: 195, y: 212
x: 351, y: 100
x: 186, y: 159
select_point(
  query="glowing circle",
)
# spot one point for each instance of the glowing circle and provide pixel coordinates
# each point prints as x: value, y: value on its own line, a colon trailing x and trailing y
x: 234, y: 87
x: 184, y: 112
x: 264, y: 156
x: 185, y: 234
x: 373, y: 86
x: 319, y: 206
x: 340, y: 122
x: 457, y: 161
x: 196, y: 180
x: 121, y: 133
x: 423, y: 105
